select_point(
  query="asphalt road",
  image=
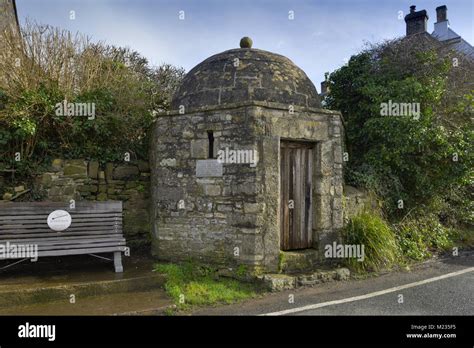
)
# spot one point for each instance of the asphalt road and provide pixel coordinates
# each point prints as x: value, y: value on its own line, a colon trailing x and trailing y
x: 452, y: 296
x: 446, y: 288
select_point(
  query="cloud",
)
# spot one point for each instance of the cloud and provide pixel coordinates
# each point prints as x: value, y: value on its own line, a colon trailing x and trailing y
x: 321, y: 35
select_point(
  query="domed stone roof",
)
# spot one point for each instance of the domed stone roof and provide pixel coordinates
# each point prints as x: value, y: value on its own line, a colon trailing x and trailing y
x: 243, y: 75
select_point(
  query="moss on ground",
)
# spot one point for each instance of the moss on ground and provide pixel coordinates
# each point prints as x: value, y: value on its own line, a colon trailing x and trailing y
x: 190, y: 284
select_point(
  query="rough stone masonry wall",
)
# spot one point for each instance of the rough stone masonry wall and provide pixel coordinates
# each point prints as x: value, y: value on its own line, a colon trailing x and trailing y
x: 219, y: 214
x: 356, y: 201
x: 241, y: 208
x: 7, y: 14
x: 87, y: 180
x: 324, y: 129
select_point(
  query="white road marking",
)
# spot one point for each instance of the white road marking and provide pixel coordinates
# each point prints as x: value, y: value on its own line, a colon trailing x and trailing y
x: 370, y: 295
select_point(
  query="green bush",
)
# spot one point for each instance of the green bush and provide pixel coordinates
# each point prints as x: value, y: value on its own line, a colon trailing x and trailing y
x: 412, y: 244
x: 421, y: 236
x: 380, y: 246
x: 416, y: 160
x: 464, y: 237
x: 57, y: 66
x: 456, y: 208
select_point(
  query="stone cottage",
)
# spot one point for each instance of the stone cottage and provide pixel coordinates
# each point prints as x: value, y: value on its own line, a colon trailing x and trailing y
x: 247, y: 165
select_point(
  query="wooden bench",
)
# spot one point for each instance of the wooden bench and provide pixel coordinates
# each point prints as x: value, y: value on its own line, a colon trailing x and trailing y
x: 96, y: 228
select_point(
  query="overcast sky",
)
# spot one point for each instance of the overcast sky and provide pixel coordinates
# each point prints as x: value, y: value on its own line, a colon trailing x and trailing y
x: 321, y: 36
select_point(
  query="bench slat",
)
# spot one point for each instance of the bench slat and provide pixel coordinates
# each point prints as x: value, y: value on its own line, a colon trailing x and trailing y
x: 69, y: 249
x: 30, y: 211
x: 79, y: 246
x: 53, y: 234
x: 73, y: 224
x: 79, y: 251
x: 47, y: 212
x: 60, y: 240
x: 82, y: 205
x: 69, y: 231
x: 45, y: 228
x: 74, y: 215
x: 74, y: 221
x: 44, y: 220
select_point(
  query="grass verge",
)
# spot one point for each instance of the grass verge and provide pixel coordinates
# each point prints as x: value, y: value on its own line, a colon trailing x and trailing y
x: 190, y: 284
x: 403, y: 243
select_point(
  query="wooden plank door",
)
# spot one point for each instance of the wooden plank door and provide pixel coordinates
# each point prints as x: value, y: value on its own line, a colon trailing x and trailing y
x: 296, y: 168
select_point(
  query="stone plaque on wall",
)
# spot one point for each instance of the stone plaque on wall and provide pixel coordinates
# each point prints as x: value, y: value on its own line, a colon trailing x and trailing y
x: 208, y: 168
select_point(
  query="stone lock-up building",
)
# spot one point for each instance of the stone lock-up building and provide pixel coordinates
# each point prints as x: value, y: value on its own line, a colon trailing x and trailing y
x: 246, y: 165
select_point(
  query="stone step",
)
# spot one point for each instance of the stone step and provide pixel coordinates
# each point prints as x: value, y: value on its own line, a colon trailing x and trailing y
x: 298, y: 261
x: 151, y: 302
x: 279, y: 282
x: 12, y: 295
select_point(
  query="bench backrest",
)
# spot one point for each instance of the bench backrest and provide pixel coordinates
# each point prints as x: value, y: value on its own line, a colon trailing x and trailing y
x: 95, y: 227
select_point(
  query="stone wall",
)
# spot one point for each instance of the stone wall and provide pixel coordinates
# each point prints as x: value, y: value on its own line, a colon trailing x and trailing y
x: 324, y: 129
x: 216, y: 214
x: 213, y: 218
x: 7, y: 14
x: 87, y: 180
x: 356, y: 201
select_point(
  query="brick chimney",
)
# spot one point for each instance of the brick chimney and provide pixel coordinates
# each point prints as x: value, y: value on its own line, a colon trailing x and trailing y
x: 416, y: 21
x: 441, y: 27
x: 324, y: 88
x: 441, y: 14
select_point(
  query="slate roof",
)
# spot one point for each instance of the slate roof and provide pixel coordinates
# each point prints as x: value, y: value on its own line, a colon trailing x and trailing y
x: 450, y: 37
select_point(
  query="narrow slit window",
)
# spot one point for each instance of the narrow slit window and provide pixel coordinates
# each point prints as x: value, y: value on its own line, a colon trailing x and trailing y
x: 210, y: 136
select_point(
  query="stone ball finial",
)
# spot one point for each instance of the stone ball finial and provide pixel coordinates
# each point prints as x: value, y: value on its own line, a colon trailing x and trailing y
x: 246, y: 42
